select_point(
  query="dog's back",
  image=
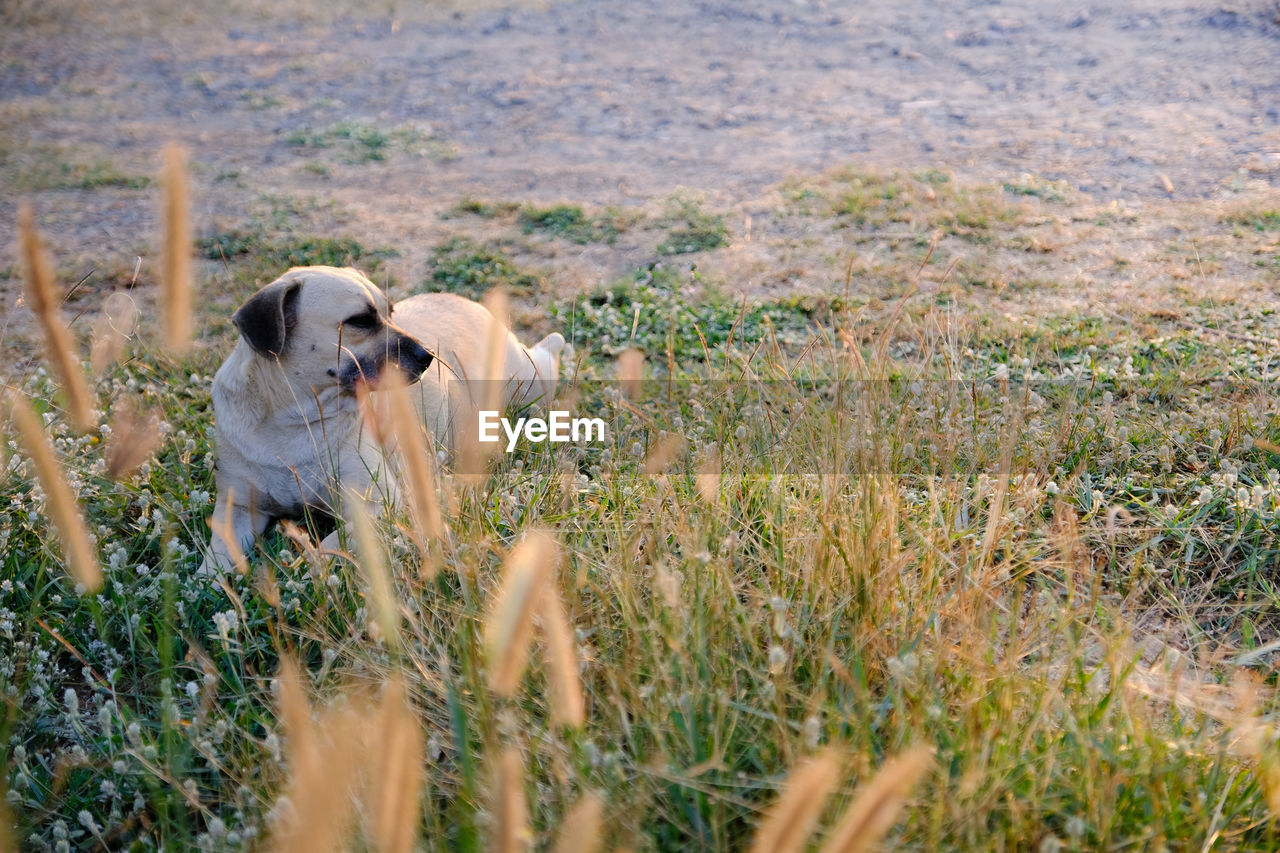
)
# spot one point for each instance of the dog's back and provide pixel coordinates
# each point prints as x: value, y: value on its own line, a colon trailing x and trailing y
x: 457, y: 331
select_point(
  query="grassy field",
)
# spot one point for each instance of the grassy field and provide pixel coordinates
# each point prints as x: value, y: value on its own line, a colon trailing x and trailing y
x: 918, y: 550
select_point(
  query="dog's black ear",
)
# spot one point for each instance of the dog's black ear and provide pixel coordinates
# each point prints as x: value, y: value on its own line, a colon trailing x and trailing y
x: 265, y: 320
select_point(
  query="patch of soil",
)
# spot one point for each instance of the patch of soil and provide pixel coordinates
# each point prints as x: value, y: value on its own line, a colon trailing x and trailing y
x: 382, y: 121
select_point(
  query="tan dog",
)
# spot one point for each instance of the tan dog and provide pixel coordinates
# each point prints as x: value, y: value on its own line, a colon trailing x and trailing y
x: 289, y: 430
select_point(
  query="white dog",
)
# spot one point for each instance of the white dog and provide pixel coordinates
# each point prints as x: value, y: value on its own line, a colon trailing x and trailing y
x: 289, y: 430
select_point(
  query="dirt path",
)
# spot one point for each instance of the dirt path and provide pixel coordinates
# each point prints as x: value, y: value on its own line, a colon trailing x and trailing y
x: 621, y: 103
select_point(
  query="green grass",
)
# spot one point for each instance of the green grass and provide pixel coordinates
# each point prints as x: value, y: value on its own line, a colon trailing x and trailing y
x: 569, y: 222
x: 358, y: 143
x: 1258, y: 220
x: 461, y: 265
x: 476, y: 207
x: 259, y: 258
x: 42, y: 167
x: 663, y: 309
x: 1044, y: 549
x: 691, y: 229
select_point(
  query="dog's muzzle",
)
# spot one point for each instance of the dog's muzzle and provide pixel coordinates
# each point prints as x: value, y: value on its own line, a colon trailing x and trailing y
x: 402, y: 351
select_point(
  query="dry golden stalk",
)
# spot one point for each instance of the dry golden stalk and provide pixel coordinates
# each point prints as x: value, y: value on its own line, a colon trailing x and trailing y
x: 397, y: 773
x: 300, y: 537
x: 580, y: 832
x: 373, y: 566
x: 322, y: 766
x: 135, y: 434
x: 567, y: 706
x: 82, y: 562
x: 495, y: 363
x: 113, y: 327
x: 510, y: 624
x: 45, y: 304
x: 473, y: 455
x: 224, y: 528
x: 878, y: 801
x: 791, y: 819
x: 510, y: 813
x: 177, y: 251
x: 631, y: 372
x: 412, y: 441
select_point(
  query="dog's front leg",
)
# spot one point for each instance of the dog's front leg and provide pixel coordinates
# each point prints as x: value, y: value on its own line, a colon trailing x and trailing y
x: 241, y: 524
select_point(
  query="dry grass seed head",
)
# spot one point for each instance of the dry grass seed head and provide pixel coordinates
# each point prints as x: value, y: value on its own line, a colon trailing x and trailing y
x: 372, y: 564
x: 416, y: 454
x: 45, y: 303
x: 662, y: 454
x: 322, y: 759
x: 510, y: 624
x: 877, y: 803
x: 77, y: 549
x: 568, y: 707
x: 631, y: 372
x: 221, y: 524
x: 496, y: 347
x: 135, y: 435
x: 582, y: 827
x: 510, y: 812
x: 790, y: 821
x: 114, y: 326
x: 396, y: 777
x: 177, y: 251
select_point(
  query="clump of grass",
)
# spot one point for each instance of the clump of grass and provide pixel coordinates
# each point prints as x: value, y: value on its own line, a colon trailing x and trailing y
x: 468, y: 206
x: 358, y: 143
x: 569, y: 222
x: 924, y: 201
x: 40, y: 167
x: 1034, y: 187
x: 664, y: 309
x: 1258, y: 219
x: 691, y: 229
x: 463, y: 266
x: 255, y: 256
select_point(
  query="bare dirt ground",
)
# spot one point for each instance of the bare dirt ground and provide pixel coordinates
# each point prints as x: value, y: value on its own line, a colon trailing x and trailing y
x: 1151, y: 104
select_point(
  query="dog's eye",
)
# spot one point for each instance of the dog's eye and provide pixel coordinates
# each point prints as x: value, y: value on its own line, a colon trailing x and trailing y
x: 367, y: 320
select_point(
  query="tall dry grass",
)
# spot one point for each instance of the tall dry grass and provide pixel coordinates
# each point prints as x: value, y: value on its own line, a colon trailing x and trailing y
x: 81, y: 559
x: 877, y: 803
x: 45, y: 304
x: 176, y: 286
x: 509, y: 628
x: 790, y: 821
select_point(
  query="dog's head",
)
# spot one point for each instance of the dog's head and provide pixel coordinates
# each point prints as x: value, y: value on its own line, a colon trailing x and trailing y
x: 327, y: 327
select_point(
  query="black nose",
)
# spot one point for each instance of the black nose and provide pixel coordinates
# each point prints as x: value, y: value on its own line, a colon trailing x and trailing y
x: 412, y: 356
